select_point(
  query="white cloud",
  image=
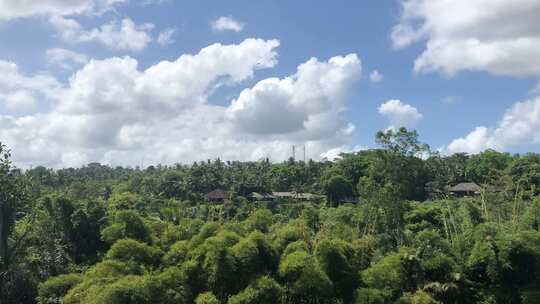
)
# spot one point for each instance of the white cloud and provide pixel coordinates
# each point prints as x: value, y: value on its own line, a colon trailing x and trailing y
x: 375, y: 76
x: 165, y: 37
x: 21, y: 100
x: 536, y: 89
x: 334, y: 153
x: 151, y: 2
x: 12, y: 9
x: 18, y: 92
x: 65, y: 59
x: 125, y: 35
x: 519, y: 125
x: 113, y: 112
x: 400, y: 114
x: 227, y: 23
x: 499, y: 37
x: 111, y: 109
x: 476, y: 141
x: 309, y: 101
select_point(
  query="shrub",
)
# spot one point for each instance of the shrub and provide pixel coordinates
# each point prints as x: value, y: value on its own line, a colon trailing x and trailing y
x: 52, y: 290
x: 128, y: 250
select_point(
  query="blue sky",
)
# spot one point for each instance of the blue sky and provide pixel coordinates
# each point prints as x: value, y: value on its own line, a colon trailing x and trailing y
x: 473, y: 89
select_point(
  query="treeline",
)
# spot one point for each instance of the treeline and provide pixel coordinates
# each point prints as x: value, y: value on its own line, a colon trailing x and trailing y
x: 401, y: 161
x: 98, y: 234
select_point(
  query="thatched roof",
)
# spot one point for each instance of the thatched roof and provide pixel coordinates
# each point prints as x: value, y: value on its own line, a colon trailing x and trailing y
x: 466, y: 187
x: 217, y: 194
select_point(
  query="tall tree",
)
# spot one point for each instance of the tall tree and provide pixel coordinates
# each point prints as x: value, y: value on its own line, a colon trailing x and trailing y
x: 487, y: 166
x: 12, y: 201
x: 400, y: 163
x: 12, y: 198
x: 401, y: 141
x: 337, y: 188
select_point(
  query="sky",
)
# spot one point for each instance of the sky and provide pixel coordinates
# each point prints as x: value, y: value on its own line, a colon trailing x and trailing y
x: 126, y: 82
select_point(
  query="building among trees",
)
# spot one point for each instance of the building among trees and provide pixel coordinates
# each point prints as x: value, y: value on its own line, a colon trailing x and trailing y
x: 217, y: 195
x: 261, y: 196
x: 465, y: 189
x: 297, y: 196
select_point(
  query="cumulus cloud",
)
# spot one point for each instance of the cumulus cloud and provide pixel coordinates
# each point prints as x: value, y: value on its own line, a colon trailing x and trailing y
x: 165, y: 37
x: 400, y: 114
x: 113, y: 112
x: 18, y: 92
x: 518, y: 126
x: 21, y: 100
x: 125, y: 35
x: 335, y: 153
x: 299, y: 103
x: 476, y: 141
x: 227, y: 23
x: 499, y: 37
x: 375, y: 76
x: 536, y: 89
x: 65, y: 59
x: 12, y: 9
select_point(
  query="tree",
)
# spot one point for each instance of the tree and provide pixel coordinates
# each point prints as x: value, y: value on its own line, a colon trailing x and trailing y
x: 254, y: 257
x: 50, y: 236
x: 304, y: 279
x: 124, y: 201
x: 263, y: 291
x: 52, y: 290
x: 171, y: 185
x: 338, y: 188
x: 177, y: 254
x: 384, y: 212
x: 259, y: 220
x: 335, y: 257
x: 400, y: 163
x: 206, y: 298
x: 393, y: 274
x: 525, y: 173
x: 370, y: 296
x: 13, y: 200
x: 487, y: 166
x: 419, y: 297
x: 352, y: 166
x: 132, y: 251
x: 87, y: 221
x: 127, y: 224
x: 216, y: 266
x: 127, y: 290
x: 66, y: 243
x: 97, y: 282
x: 402, y: 142
x: 531, y: 216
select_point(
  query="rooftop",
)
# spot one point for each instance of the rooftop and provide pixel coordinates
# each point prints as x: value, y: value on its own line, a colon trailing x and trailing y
x: 466, y: 187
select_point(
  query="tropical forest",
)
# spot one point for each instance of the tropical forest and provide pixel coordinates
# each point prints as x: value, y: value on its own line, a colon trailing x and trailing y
x: 394, y: 224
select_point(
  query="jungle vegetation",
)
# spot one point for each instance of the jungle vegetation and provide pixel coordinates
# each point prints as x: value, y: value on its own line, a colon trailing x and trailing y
x: 101, y: 234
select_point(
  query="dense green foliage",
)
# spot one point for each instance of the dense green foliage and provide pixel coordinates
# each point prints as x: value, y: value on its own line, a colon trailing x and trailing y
x: 129, y: 235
